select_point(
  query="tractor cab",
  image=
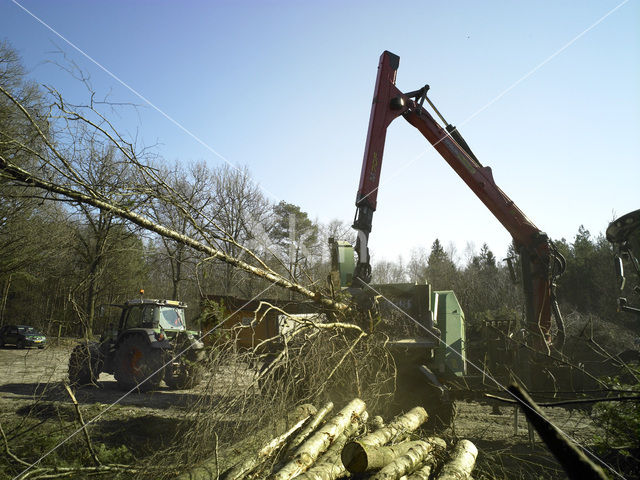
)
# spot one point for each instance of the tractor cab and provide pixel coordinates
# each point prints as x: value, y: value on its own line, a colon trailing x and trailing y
x: 163, y: 316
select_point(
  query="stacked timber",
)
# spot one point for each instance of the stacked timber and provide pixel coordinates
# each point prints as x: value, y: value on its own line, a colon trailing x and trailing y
x: 320, y: 447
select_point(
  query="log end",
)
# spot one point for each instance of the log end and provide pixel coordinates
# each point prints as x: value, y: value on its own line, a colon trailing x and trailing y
x: 354, y: 457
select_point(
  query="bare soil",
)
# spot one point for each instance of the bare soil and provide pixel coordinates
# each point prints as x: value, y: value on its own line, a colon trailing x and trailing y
x: 30, y: 385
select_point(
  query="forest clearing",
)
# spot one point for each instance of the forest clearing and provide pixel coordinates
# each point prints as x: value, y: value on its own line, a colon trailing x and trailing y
x: 168, y: 316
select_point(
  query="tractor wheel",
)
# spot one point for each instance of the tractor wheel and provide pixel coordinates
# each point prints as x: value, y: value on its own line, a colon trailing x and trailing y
x: 136, y: 364
x: 183, y: 376
x: 85, y: 364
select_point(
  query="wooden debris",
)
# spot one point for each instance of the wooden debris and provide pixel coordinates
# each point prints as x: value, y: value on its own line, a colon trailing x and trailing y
x: 245, y: 467
x: 401, y: 424
x: 406, y: 463
x: 311, y: 426
x: 334, y: 450
x: 84, y: 426
x: 461, y: 463
x: 425, y: 470
x: 207, y: 470
x: 365, y: 458
x: 329, y: 466
x: 310, y: 450
x: 421, y: 473
x: 377, y: 422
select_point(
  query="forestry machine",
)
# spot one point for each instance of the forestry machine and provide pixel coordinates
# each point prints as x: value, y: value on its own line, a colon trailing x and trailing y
x: 540, y: 262
x: 624, y: 235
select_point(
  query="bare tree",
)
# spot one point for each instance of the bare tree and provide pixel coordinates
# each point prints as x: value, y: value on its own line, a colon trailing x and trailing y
x: 58, y: 173
x: 194, y: 189
x: 241, y: 222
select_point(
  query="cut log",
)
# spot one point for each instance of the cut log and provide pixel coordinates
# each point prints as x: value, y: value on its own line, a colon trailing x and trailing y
x: 407, y: 462
x: 399, y: 425
x: 461, y: 463
x: 320, y: 441
x: 311, y: 426
x: 207, y: 470
x: 365, y: 458
x: 329, y: 466
x: 246, y: 466
x: 423, y: 472
x: 377, y: 422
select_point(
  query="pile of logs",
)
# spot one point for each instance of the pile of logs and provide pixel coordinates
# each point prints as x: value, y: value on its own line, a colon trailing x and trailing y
x: 351, y: 445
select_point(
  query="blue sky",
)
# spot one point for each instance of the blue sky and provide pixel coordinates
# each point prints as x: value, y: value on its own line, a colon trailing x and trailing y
x: 285, y: 88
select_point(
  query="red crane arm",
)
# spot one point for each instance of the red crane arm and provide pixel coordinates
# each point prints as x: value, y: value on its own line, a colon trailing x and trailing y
x: 540, y: 262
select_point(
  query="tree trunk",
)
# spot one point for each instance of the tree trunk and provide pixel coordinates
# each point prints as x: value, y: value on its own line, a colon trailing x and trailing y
x: 310, y: 450
x: 207, y: 470
x: 5, y: 295
x: 329, y: 466
x: 401, y: 424
x: 311, y: 426
x: 408, y: 462
x: 91, y: 304
x: 462, y: 461
x: 242, y: 469
x: 18, y: 174
x: 177, y: 275
x: 365, y: 458
x: 423, y: 472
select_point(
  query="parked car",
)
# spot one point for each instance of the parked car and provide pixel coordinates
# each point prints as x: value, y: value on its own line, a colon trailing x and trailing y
x: 21, y: 336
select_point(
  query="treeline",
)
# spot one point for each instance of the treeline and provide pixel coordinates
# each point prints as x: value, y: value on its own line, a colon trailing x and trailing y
x: 61, y: 264
x: 62, y: 261
x: 490, y: 289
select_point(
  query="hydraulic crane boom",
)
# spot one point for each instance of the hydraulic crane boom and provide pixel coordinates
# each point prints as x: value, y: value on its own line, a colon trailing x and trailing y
x: 540, y: 262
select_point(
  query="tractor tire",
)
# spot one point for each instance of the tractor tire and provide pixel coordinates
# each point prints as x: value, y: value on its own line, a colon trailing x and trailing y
x: 137, y: 365
x: 183, y: 376
x: 85, y: 364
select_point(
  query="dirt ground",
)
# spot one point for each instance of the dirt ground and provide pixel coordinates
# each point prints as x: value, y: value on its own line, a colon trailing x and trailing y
x: 32, y: 376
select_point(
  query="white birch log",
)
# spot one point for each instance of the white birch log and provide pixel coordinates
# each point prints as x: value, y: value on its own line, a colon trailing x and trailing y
x: 209, y: 468
x: 366, y: 458
x: 461, y: 463
x: 421, y: 473
x: 399, y: 425
x: 311, y: 426
x: 424, y: 471
x: 320, y: 441
x: 329, y: 466
x: 406, y: 463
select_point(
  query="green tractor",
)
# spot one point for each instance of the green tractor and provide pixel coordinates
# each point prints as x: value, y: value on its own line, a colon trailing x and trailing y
x: 151, y: 343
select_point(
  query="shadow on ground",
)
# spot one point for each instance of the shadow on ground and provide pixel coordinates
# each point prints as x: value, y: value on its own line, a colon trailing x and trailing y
x: 106, y: 393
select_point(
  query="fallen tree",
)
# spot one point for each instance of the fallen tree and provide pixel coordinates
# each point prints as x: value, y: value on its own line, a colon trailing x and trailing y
x: 60, y: 178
